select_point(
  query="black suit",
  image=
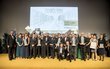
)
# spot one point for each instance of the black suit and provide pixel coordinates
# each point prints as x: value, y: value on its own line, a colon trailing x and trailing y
x: 57, y: 46
x: 38, y: 47
x: 11, y: 49
x: 74, y: 47
x: 33, y: 47
x: 61, y: 54
x: 69, y: 52
x: 83, y: 49
x: 88, y: 48
x: 43, y: 48
x: 52, y: 42
x: 46, y: 43
x: 65, y: 39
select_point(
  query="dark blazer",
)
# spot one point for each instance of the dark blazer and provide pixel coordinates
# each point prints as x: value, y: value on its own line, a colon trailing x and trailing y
x: 11, y: 41
x: 33, y: 41
x: 67, y: 39
x: 46, y: 41
x: 80, y: 39
x: 52, y: 40
x: 70, y: 50
x: 103, y: 41
x: 63, y: 50
x: 60, y: 39
x: 37, y: 40
x: 76, y: 40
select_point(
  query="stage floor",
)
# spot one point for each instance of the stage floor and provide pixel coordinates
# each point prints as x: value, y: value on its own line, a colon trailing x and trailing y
x: 46, y: 63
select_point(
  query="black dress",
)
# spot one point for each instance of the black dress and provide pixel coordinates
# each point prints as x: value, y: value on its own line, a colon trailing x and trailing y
x: 101, y: 50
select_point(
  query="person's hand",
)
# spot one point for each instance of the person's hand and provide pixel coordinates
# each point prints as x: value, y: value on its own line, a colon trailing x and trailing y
x: 32, y: 44
x: 68, y: 54
x: 8, y: 46
x: 45, y: 43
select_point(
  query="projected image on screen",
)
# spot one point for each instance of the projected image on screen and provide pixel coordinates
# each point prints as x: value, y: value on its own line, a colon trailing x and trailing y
x: 54, y: 19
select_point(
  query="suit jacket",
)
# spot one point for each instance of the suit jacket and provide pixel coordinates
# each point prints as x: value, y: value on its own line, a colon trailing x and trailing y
x: 52, y: 40
x: 11, y: 41
x: 63, y: 50
x: 70, y: 52
x: 33, y: 41
x: 67, y: 39
x: 37, y: 41
x: 60, y: 39
x: 76, y: 41
x: 46, y: 41
x: 80, y: 39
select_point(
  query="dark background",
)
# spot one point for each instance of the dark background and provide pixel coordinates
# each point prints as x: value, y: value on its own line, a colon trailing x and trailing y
x: 94, y: 15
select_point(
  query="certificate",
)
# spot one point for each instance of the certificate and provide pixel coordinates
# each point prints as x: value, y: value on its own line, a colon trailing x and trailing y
x: 93, y: 45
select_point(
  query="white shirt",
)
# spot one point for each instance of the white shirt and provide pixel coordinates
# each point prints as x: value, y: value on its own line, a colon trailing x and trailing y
x: 73, y: 41
x: 82, y: 40
x: 58, y: 41
x: 25, y: 41
x: 60, y: 49
x: 39, y: 42
x: 93, y: 44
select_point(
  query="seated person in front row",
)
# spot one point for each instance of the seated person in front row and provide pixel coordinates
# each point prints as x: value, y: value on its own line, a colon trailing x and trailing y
x: 61, y: 50
x: 69, y: 51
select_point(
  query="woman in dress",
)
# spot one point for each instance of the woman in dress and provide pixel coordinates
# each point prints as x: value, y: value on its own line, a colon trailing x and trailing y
x: 93, y: 47
x: 26, y: 42
x: 19, y: 42
x: 101, y: 47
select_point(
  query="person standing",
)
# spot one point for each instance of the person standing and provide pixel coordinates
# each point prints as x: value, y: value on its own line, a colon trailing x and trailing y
x: 52, y: 46
x: 33, y: 46
x: 46, y: 41
x: 93, y: 47
x: 101, y: 47
x: 26, y: 42
x: 43, y: 47
x: 58, y: 41
x: 82, y: 43
x: 88, y: 46
x: 39, y: 46
x: 74, y: 43
x: 19, y: 42
x: 69, y: 51
x: 11, y: 41
x: 108, y: 48
x: 60, y: 51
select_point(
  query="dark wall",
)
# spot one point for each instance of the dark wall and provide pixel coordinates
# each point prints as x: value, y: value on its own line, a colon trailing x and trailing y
x: 93, y: 14
x: 0, y: 14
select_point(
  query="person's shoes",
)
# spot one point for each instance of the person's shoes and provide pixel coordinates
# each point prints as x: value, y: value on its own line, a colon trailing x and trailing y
x: 84, y: 59
x: 102, y: 59
x: 70, y: 60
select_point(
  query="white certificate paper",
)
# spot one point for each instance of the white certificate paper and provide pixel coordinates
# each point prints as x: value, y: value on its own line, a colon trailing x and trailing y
x: 93, y: 45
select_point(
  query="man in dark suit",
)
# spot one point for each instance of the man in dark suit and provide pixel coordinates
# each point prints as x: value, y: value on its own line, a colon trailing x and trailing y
x: 33, y: 46
x: 82, y: 43
x: 43, y: 47
x: 38, y: 47
x: 46, y: 44
x: 58, y: 40
x: 11, y: 42
x: 52, y: 42
x: 74, y: 44
x: 61, y: 52
x: 69, y: 51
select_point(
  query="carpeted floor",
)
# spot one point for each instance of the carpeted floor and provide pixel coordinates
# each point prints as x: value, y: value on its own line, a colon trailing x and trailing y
x: 46, y: 63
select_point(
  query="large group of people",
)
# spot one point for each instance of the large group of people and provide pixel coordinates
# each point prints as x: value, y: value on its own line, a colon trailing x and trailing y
x: 60, y: 46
